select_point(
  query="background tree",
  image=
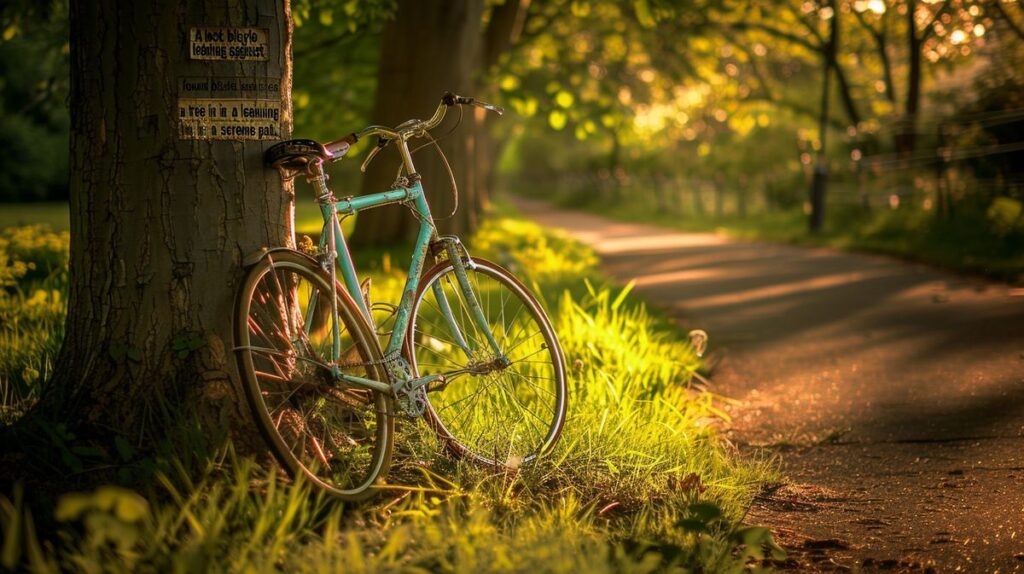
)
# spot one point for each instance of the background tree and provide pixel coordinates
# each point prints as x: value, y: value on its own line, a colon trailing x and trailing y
x: 33, y: 115
x: 679, y: 100
x: 417, y: 65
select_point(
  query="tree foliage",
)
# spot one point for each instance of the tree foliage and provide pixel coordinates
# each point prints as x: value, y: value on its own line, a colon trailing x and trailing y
x: 720, y: 93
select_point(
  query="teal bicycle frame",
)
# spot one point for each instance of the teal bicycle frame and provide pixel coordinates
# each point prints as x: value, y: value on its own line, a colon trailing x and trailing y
x: 412, y: 196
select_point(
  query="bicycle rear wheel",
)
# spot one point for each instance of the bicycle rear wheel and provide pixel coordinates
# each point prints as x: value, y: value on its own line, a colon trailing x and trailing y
x: 499, y: 409
x: 340, y: 437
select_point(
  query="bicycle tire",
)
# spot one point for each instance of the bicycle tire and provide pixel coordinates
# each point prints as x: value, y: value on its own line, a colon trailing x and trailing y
x: 524, y: 403
x: 340, y: 438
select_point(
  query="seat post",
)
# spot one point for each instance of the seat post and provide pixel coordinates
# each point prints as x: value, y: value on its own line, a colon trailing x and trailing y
x: 317, y: 177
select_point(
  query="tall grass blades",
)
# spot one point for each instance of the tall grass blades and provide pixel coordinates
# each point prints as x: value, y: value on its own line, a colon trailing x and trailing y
x: 627, y: 489
x: 33, y: 302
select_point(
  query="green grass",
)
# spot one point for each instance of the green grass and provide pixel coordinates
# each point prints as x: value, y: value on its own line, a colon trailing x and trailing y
x: 972, y: 241
x: 639, y: 482
x: 33, y: 286
x: 53, y: 214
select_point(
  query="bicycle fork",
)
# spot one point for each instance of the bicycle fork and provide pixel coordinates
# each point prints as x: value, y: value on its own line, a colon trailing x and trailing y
x: 452, y: 247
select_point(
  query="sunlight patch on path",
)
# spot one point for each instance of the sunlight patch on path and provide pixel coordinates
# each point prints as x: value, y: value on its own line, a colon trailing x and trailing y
x: 793, y: 287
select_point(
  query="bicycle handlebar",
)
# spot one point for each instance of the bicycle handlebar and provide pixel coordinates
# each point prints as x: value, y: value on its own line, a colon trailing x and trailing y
x: 409, y: 129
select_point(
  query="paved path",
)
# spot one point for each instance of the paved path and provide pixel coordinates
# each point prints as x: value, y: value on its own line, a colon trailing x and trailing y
x: 894, y: 393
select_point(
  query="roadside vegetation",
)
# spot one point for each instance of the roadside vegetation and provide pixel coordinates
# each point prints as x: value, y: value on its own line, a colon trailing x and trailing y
x: 985, y: 238
x: 640, y: 481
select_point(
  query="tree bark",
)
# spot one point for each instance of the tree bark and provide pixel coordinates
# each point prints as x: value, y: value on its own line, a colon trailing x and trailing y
x: 819, y: 185
x: 503, y: 31
x: 429, y: 48
x: 906, y: 141
x: 160, y: 225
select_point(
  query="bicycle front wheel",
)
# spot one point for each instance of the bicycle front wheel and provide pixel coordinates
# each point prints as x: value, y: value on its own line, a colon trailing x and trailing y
x: 498, y: 407
x: 339, y: 436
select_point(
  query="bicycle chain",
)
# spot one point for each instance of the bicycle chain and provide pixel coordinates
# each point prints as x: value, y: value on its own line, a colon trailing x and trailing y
x: 384, y: 360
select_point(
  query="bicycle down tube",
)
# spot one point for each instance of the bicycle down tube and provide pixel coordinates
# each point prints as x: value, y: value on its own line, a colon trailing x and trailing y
x: 427, y: 234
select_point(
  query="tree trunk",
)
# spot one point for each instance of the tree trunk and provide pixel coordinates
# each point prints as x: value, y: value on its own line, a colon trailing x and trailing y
x: 429, y: 48
x: 906, y: 141
x: 719, y: 198
x: 487, y: 150
x: 161, y: 219
x: 504, y: 28
x: 698, y: 199
x: 819, y: 185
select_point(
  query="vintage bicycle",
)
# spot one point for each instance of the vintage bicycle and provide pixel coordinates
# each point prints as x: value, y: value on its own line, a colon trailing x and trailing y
x: 470, y: 349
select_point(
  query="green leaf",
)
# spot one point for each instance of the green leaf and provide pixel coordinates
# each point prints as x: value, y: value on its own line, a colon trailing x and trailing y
x: 72, y: 506
x: 622, y: 295
x: 120, y: 351
x: 509, y: 83
x: 130, y: 506
x: 186, y: 342
x: 30, y: 375
x: 557, y: 119
x: 692, y: 525
x: 643, y: 13
x: 706, y: 512
x: 13, y: 516
x: 124, y: 448
x: 756, y: 539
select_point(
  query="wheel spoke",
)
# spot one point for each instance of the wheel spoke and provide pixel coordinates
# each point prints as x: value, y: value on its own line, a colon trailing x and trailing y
x: 338, y: 436
x: 506, y: 412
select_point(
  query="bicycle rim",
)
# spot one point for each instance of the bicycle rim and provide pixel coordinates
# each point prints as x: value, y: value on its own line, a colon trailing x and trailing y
x: 510, y: 415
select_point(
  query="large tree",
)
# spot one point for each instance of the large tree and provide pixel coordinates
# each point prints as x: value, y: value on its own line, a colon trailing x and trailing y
x: 434, y: 46
x: 161, y: 221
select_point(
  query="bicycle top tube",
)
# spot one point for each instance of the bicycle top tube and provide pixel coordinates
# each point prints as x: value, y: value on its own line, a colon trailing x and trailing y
x: 351, y: 205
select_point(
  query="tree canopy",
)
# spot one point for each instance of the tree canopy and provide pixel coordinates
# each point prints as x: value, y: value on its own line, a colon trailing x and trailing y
x: 722, y: 91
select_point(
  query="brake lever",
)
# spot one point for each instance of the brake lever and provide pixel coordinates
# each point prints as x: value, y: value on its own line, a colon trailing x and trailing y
x: 489, y: 107
x: 381, y: 144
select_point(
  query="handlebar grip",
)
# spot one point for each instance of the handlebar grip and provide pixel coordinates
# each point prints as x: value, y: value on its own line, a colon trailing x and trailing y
x: 450, y: 99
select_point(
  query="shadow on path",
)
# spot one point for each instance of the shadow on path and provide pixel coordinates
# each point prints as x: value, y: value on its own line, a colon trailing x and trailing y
x: 895, y: 391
